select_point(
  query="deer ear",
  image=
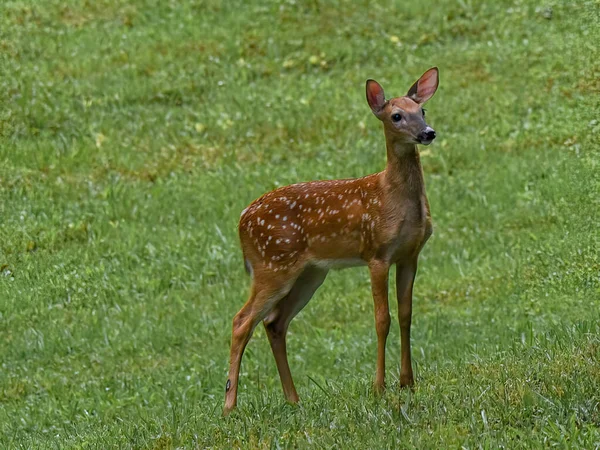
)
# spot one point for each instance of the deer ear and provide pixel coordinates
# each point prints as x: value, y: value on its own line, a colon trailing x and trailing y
x: 375, y: 96
x: 425, y: 87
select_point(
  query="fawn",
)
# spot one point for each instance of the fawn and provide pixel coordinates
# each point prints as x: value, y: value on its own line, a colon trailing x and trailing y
x: 292, y: 236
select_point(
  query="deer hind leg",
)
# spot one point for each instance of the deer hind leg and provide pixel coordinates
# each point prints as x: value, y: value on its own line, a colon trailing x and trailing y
x: 265, y: 293
x: 277, y: 322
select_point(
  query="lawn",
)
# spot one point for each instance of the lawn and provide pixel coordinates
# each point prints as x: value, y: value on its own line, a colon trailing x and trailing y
x: 132, y: 135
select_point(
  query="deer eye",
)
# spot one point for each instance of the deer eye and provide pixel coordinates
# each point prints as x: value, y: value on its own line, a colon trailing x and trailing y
x: 423, y: 110
x: 396, y: 117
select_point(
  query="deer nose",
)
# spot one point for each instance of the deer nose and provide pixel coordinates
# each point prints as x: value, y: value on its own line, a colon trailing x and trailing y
x: 427, y: 135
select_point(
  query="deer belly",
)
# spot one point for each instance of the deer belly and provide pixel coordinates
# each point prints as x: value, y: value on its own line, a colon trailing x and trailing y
x: 336, y: 264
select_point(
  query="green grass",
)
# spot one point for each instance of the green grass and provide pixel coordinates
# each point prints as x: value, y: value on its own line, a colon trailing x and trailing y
x: 132, y: 134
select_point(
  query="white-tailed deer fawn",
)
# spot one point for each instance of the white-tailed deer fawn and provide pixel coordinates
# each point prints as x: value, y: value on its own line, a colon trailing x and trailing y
x: 291, y: 237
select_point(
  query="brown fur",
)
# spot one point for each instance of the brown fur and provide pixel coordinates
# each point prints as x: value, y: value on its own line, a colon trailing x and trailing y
x: 292, y: 236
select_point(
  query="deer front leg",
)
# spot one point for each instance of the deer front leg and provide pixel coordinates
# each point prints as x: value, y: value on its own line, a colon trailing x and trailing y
x: 379, y: 286
x: 405, y: 276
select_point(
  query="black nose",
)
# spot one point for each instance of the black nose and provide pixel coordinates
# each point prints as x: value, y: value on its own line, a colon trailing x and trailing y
x: 430, y: 135
x: 427, y: 135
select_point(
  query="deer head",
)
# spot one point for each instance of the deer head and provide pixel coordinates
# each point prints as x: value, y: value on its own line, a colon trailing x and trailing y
x: 404, y: 117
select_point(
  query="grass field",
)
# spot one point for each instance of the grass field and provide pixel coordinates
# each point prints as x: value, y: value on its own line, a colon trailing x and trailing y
x: 132, y: 134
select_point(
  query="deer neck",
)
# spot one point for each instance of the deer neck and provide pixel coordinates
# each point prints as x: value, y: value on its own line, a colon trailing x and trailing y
x: 403, y: 174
